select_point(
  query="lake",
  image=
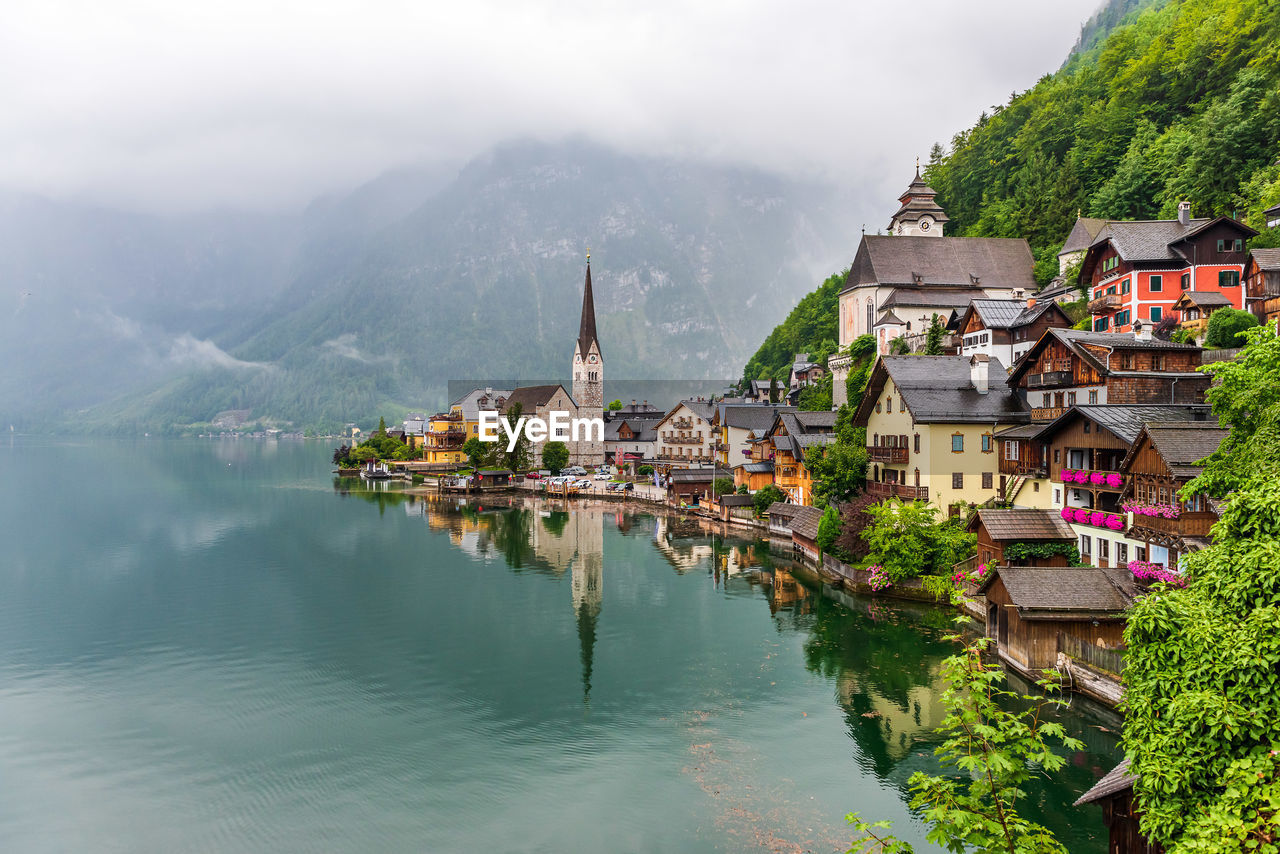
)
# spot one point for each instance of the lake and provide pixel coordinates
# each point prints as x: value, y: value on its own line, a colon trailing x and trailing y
x: 217, y: 646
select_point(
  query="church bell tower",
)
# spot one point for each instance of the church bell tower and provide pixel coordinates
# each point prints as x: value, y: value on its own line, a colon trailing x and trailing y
x: 588, y: 374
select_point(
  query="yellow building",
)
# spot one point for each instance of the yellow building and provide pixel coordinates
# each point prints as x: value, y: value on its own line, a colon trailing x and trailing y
x: 790, y: 439
x: 443, y: 438
x: 931, y: 423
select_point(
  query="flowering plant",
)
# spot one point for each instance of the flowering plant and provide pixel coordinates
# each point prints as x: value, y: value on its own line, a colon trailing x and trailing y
x: 879, y: 579
x: 1114, y: 480
x: 1082, y: 477
x: 963, y: 577
x: 1082, y: 516
x: 1164, y: 511
x: 1067, y: 475
x: 1155, y: 572
x: 1097, y: 519
x: 1098, y: 478
x: 1114, y: 522
x: 1068, y: 514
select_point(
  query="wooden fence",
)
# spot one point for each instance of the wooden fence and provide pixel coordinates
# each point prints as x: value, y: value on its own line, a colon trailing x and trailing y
x: 1098, y: 657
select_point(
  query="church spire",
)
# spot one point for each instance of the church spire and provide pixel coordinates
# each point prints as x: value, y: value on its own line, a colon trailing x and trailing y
x: 587, y: 329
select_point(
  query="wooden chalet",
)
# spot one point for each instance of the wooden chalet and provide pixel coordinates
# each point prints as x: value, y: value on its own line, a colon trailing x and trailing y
x: 1067, y: 367
x: 1194, y: 308
x: 780, y: 515
x: 1005, y: 329
x: 733, y: 506
x: 755, y: 475
x: 1085, y: 450
x: 688, y: 486
x: 804, y: 531
x: 1134, y: 271
x: 1028, y: 608
x: 791, y: 437
x: 1262, y: 284
x: 1114, y: 793
x: 1164, y: 456
x: 999, y: 529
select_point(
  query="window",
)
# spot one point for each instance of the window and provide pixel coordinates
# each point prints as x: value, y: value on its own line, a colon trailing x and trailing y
x: 1122, y: 554
x: 1057, y: 495
x: 1035, y: 486
x: 1124, y: 286
x: 1010, y: 449
x: 1071, y: 398
x: 1186, y: 281
x: 902, y: 405
x: 1139, y: 552
x: 957, y: 443
x: 1044, y: 400
x: 877, y: 407
x: 1101, y: 324
x: 1228, y: 278
x: 987, y: 478
x: 1122, y: 318
x: 1156, y: 313
x: 1111, y: 291
x: 1104, y: 550
x: 1086, y: 544
x: 888, y: 403
x: 1057, y: 455
x: 1093, y: 396
x: 1088, y: 428
x: 1229, y: 245
x: 917, y: 443
x: 1156, y: 284
x: 988, y: 443
x: 957, y: 480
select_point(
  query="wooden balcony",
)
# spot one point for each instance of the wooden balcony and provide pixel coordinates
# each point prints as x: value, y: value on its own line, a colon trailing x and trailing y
x: 898, y: 490
x: 1049, y: 379
x: 1186, y: 525
x: 682, y: 423
x: 1105, y: 304
x: 1047, y: 413
x: 1024, y: 468
x: 885, y: 454
x: 1196, y: 326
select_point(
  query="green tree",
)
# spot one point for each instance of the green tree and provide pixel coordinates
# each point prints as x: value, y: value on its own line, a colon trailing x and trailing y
x: 816, y: 397
x: 475, y: 451
x: 899, y: 346
x: 1226, y: 326
x: 615, y: 405
x: 765, y: 497
x: 905, y: 539
x: 742, y: 490
x: 828, y: 528
x: 555, y: 456
x: 773, y: 390
x: 933, y: 340
x: 645, y: 471
x: 382, y: 426
x: 1202, y: 670
x: 516, y: 459
x: 839, y: 470
x: 722, y: 486
x: 994, y: 753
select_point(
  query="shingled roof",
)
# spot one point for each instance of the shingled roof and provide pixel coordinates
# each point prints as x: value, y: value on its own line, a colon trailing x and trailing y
x: 1202, y: 299
x: 1155, y: 239
x: 530, y: 397
x: 1079, y: 341
x: 1180, y: 444
x: 1065, y: 593
x: 1267, y: 260
x: 1082, y: 235
x: 587, y: 327
x: 782, y: 509
x: 928, y: 297
x: 805, y: 522
x: 1118, y: 779
x: 996, y: 262
x: 1019, y: 524
x: 750, y: 416
x: 1125, y: 420
x: 938, y: 389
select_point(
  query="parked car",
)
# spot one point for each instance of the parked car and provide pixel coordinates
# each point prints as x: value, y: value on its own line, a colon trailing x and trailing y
x: 576, y: 470
x: 603, y: 476
x: 533, y: 475
x: 585, y: 484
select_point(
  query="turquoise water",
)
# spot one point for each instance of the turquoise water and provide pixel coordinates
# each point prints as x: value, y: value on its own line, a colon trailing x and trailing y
x: 215, y: 646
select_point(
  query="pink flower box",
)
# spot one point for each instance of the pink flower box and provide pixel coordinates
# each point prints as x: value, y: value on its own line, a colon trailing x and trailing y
x: 1082, y: 516
x: 1068, y: 514
x: 1067, y: 475
x: 1114, y: 522
x: 1097, y: 519
x: 1097, y: 478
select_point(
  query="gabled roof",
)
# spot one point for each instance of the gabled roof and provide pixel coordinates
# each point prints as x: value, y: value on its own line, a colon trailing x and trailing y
x: 1267, y: 259
x: 697, y: 475
x: 530, y: 397
x: 1083, y: 233
x: 1180, y: 444
x: 1018, y: 524
x: 1071, y: 593
x: 938, y: 390
x: 1125, y: 420
x: 1155, y: 239
x: 1075, y: 339
x: 996, y: 262
x: 734, y: 500
x: 929, y: 297
x: 782, y: 509
x: 1118, y: 779
x: 751, y: 416
x: 1202, y: 299
x: 479, y: 399
x: 917, y: 201
x: 645, y: 430
x: 758, y: 467
x: 805, y: 520
x: 1007, y: 313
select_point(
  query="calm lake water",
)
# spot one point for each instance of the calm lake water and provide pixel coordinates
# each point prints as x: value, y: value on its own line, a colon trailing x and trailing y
x: 215, y: 646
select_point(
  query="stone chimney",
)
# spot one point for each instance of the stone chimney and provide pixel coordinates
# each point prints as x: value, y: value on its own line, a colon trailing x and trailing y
x: 978, y: 372
x: 1031, y: 302
x: 1141, y: 331
x: 1184, y: 213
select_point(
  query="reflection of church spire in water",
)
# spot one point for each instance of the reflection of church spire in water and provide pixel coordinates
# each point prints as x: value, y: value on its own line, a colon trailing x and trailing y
x: 587, y: 587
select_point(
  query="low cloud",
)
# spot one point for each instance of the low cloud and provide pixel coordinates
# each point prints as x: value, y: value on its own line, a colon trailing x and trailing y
x: 345, y: 346
x: 187, y: 350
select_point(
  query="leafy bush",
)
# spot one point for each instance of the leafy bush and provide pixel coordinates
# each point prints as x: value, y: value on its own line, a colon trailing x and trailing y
x: 765, y: 497
x: 905, y: 539
x: 1226, y: 328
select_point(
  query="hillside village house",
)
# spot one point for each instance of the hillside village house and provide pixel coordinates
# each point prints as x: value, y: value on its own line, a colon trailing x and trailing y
x: 1194, y: 308
x: 787, y: 444
x: 803, y: 374
x: 685, y: 437
x: 1163, y: 457
x: 999, y: 531
x: 1086, y: 448
x: 931, y: 423
x: 1114, y: 793
x: 1262, y: 284
x: 1135, y: 271
x: 443, y: 438
x: 1068, y: 367
x: 737, y: 425
x: 1005, y: 329
x: 899, y: 281
x: 629, y: 440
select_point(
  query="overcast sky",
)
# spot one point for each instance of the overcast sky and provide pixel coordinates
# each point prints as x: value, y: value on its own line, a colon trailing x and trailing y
x: 178, y: 104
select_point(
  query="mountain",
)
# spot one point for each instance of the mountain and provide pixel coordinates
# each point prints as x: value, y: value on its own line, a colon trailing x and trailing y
x: 1179, y: 101
x: 370, y: 302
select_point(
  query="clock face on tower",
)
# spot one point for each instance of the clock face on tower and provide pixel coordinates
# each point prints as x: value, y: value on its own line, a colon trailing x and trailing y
x: 593, y: 360
x: 924, y: 225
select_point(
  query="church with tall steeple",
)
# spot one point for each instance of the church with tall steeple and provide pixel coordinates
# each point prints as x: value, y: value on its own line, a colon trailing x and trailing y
x: 588, y: 374
x: 920, y: 215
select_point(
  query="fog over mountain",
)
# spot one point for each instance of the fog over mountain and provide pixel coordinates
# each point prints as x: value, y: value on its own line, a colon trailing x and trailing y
x: 377, y: 298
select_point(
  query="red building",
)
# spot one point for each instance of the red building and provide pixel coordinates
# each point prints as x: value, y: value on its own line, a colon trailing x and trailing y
x: 1136, y: 271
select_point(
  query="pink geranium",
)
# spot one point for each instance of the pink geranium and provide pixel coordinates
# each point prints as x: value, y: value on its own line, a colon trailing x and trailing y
x: 1097, y: 519
x: 1097, y: 478
x: 1114, y: 480
x: 1067, y: 475
x: 1082, y: 516
x: 1082, y: 476
x: 1114, y: 522
x: 1068, y: 514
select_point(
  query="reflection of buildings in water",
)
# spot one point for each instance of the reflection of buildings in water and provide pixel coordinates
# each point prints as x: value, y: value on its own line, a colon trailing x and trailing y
x: 902, y: 723
x: 414, y: 508
x: 786, y: 592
